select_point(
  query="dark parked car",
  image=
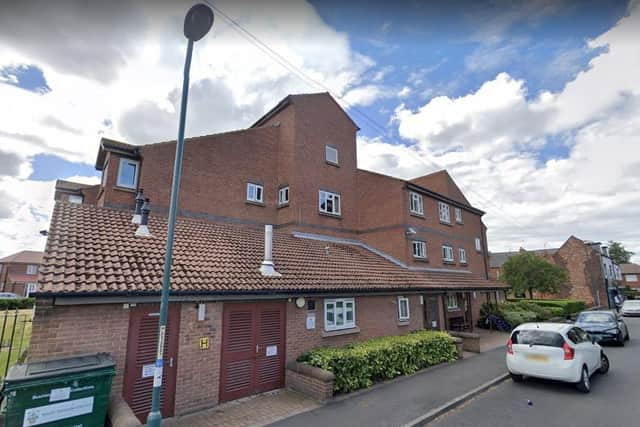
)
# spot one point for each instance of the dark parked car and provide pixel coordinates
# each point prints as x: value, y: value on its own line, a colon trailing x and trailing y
x: 604, y: 326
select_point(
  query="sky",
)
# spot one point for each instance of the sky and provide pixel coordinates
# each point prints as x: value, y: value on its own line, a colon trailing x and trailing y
x: 532, y: 106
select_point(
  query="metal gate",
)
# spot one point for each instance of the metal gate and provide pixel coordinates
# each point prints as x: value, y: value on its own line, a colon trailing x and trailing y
x: 15, y: 334
x: 253, y: 349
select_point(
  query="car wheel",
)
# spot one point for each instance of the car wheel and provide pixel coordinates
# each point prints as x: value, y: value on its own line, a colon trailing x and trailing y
x: 604, y: 364
x: 621, y: 339
x: 627, y: 338
x: 517, y: 378
x: 584, y: 385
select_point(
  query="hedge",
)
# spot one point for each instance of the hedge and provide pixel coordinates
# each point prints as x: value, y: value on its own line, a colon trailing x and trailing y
x: 13, y: 303
x: 567, y: 305
x: 359, y: 365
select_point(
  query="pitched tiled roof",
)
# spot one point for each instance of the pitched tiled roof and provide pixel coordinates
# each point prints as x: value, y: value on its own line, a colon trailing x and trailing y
x: 23, y: 257
x: 630, y: 268
x: 94, y: 250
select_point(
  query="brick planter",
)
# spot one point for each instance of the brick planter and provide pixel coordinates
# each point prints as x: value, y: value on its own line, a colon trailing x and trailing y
x: 309, y: 380
x: 470, y: 340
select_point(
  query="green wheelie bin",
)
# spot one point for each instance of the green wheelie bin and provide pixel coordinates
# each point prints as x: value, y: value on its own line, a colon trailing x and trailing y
x: 70, y: 392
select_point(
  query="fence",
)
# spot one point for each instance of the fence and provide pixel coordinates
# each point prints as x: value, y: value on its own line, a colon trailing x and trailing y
x: 15, y: 334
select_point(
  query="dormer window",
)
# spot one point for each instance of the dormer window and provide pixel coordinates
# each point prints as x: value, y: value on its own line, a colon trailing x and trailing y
x: 331, y: 154
x: 75, y: 198
x: 128, y: 173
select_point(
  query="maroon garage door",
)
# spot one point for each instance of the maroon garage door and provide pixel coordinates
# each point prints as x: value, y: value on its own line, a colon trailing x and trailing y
x: 141, y: 357
x: 253, y: 352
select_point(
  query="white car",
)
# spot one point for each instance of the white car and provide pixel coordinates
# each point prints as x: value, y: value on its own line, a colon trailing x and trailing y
x: 630, y: 307
x: 555, y: 351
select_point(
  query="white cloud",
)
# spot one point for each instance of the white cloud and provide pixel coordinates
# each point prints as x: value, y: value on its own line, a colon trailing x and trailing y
x: 490, y: 139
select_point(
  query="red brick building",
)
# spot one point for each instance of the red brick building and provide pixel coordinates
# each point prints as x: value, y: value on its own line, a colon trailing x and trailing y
x: 19, y: 272
x: 588, y: 280
x: 357, y: 255
x: 631, y: 275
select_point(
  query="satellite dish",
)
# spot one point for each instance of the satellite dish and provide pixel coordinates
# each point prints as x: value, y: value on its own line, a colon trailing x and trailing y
x: 198, y: 22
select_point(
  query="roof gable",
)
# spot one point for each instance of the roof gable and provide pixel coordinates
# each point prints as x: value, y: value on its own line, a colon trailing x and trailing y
x: 23, y: 257
x: 441, y: 182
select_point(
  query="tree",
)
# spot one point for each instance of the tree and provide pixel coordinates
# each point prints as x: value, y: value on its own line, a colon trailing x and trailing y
x: 527, y: 271
x: 618, y: 253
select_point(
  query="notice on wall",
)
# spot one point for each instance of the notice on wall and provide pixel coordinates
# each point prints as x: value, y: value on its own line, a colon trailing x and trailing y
x: 272, y: 350
x: 311, y: 320
x: 434, y: 324
x: 157, y: 376
x: 57, y: 394
x: 57, y: 411
x: 148, y: 370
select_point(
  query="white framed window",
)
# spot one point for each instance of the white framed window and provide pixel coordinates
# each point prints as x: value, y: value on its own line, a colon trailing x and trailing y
x: 283, y: 195
x: 74, y: 198
x: 459, y: 216
x: 452, y: 302
x: 416, y: 205
x: 32, y: 269
x: 331, y: 154
x: 419, y: 249
x: 29, y: 289
x: 128, y: 173
x: 255, y: 193
x: 339, y: 314
x: 478, y: 245
x: 403, y: 309
x: 329, y: 202
x: 632, y: 278
x: 443, y: 210
x: 447, y: 253
x: 463, y: 255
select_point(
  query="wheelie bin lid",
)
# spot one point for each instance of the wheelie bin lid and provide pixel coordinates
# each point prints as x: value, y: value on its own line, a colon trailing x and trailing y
x: 57, y: 367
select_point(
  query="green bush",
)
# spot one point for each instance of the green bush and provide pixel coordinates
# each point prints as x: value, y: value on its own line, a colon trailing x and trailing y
x: 13, y: 303
x: 515, y: 318
x: 488, y: 308
x: 361, y: 364
x: 567, y: 305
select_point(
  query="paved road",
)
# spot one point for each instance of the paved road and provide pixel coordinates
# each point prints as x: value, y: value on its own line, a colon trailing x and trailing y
x: 400, y: 401
x: 614, y: 399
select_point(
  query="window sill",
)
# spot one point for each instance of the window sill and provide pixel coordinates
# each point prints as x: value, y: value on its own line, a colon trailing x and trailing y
x: 330, y: 215
x: 453, y: 309
x: 426, y: 260
x: 404, y: 322
x: 336, y: 333
x: 337, y: 165
x: 464, y: 263
x: 251, y: 202
x: 448, y: 224
x: 125, y: 189
x: 417, y: 215
x: 459, y: 223
x: 284, y: 205
x: 448, y: 262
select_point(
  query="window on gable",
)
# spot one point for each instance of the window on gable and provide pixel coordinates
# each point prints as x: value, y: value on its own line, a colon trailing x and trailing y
x: 459, y: 216
x: 75, y: 198
x: 443, y: 210
x: 339, y: 314
x: 419, y: 249
x: 29, y: 289
x: 403, y: 308
x: 452, y: 302
x: 283, y: 196
x: 463, y: 256
x: 416, y: 205
x: 478, y: 245
x: 447, y: 253
x: 32, y: 269
x: 128, y: 173
x: 329, y: 202
x: 331, y: 154
x: 255, y: 193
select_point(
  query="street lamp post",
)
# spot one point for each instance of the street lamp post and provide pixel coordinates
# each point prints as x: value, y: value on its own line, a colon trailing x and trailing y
x: 197, y: 24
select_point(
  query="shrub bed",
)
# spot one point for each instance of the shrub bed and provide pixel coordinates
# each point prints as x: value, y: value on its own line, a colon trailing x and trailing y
x: 13, y: 303
x: 359, y: 365
x: 568, y: 306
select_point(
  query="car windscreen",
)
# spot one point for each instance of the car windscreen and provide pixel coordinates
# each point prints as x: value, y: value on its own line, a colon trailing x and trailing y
x: 632, y: 303
x: 595, y: 318
x: 537, y: 337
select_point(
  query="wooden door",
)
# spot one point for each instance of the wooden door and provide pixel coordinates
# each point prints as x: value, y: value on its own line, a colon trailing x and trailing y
x: 141, y: 357
x: 253, y: 350
x: 432, y: 313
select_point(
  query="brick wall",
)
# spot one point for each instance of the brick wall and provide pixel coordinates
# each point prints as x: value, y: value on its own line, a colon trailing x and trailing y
x: 14, y: 269
x: 198, y: 370
x: 375, y: 316
x: 311, y: 381
x: 71, y: 330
